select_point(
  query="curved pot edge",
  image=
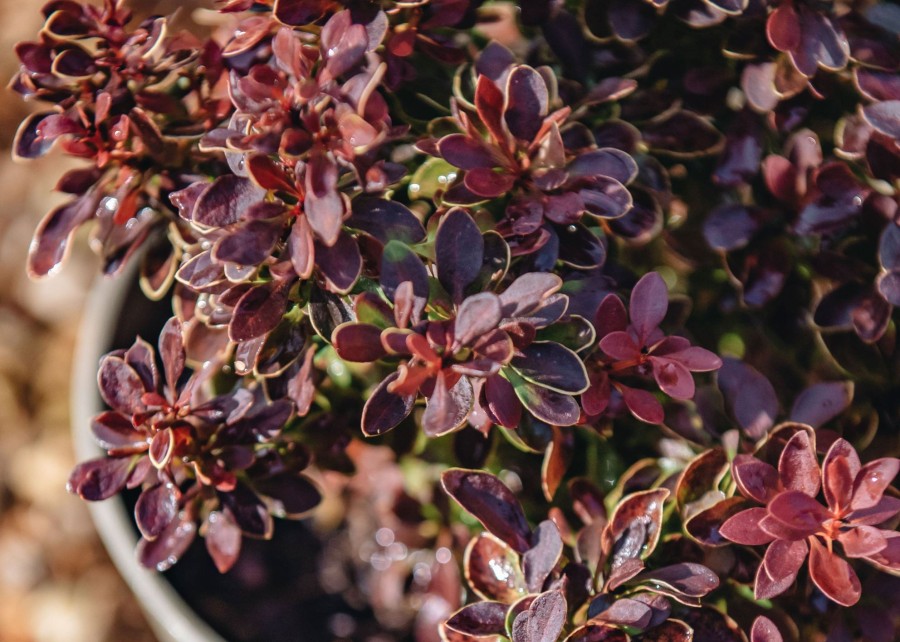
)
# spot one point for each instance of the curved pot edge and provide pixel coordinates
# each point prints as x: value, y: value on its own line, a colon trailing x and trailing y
x: 169, y: 615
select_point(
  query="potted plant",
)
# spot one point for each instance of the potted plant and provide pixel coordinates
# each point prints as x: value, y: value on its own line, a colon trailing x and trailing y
x: 557, y: 320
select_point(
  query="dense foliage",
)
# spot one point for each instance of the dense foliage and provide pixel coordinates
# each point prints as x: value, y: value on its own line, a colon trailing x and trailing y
x: 505, y: 244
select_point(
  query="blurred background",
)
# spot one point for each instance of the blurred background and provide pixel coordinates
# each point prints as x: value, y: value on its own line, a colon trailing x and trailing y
x: 56, y: 581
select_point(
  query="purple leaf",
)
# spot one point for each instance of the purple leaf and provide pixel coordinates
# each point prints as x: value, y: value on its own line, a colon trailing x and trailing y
x: 673, y: 378
x: 500, y: 402
x: 642, y: 404
x: 459, y: 251
x: 552, y: 366
x: 155, y: 509
x: 872, y: 481
x: 51, y: 239
x: 543, y: 556
x: 606, y: 198
x: 120, y: 386
x: 29, y: 143
x: 171, y: 351
x: 492, y: 569
x: 343, y: 44
x: 798, y: 511
x: 477, y: 315
x: 749, y: 396
x: 324, y: 206
x: 730, y: 227
x: 113, y: 430
x: 399, y: 264
x: 480, y: 619
x: 833, y: 575
x: 358, y: 342
x: 466, y: 153
x: 526, y: 102
x: 626, y: 612
x: 743, y: 528
x: 225, y: 201
x: 648, y: 305
x: 293, y: 494
x: 609, y: 162
x: 340, y: 263
x: 550, y: 406
x: 634, y: 526
x: 487, y: 183
x: 447, y: 409
x: 99, y: 479
x: 798, y: 467
x: 384, y: 410
x: 764, y: 630
x: 249, y: 244
x: 248, y: 511
x: 885, y: 117
x: 687, y: 578
x: 259, y: 310
x: 546, y: 617
x: 223, y: 540
x: 385, y: 220
x: 822, y: 402
x: 488, y: 500
x: 162, y: 553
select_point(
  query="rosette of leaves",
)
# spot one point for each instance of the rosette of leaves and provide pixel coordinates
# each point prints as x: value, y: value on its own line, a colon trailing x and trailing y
x: 639, y: 347
x: 534, y: 585
x: 511, y: 144
x: 460, y: 346
x: 794, y: 524
x: 195, y: 457
x: 129, y: 101
x: 300, y: 142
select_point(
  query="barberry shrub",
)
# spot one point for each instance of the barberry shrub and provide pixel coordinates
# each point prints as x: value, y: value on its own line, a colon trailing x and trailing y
x: 566, y: 263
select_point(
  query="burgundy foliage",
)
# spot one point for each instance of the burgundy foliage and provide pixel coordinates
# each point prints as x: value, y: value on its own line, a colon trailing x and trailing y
x: 619, y: 278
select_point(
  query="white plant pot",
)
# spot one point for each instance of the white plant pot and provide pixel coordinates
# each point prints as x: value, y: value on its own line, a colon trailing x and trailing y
x: 170, y: 617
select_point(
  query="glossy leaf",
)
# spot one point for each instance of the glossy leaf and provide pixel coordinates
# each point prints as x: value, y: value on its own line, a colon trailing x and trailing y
x: 491, y: 503
x: 384, y: 410
x: 459, y: 248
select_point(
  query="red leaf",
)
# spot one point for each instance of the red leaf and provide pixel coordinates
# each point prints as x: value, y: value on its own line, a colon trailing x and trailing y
x: 833, y: 575
x: 642, y: 404
x: 755, y: 479
x: 620, y: 346
x: 764, y: 630
x: 673, y: 378
x: 358, y: 342
x: 783, y: 559
x: 798, y: 467
x: 862, y: 541
x: 743, y: 528
x: 839, y: 469
x: 799, y: 511
x: 872, y: 480
x: 648, y: 305
x: 223, y: 540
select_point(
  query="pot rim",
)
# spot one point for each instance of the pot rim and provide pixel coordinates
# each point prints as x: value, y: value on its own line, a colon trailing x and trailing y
x: 169, y: 615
